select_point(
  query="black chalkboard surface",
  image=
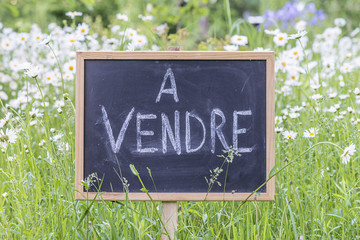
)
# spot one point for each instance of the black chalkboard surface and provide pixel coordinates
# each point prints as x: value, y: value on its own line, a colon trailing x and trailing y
x: 174, y: 117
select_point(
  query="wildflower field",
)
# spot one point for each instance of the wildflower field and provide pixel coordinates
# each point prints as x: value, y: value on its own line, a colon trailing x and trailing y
x: 317, y: 129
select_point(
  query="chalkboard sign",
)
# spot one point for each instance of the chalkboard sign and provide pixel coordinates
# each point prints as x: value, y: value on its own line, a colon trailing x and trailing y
x: 171, y: 115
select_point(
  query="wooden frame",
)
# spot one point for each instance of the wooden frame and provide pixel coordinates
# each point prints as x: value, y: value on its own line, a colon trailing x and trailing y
x: 170, y: 55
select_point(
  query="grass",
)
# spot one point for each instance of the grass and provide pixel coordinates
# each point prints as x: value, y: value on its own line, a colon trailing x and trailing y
x: 317, y: 196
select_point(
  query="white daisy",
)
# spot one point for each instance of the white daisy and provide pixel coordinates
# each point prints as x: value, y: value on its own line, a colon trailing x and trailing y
x: 239, y: 40
x: 350, y: 109
x: 332, y: 109
x: 356, y: 91
x: 280, y: 39
x: 343, y: 96
x: 297, y: 35
x: 3, y: 96
x: 146, y: 18
x: 278, y: 119
x: 294, y: 115
x: 300, y: 26
x: 5, y: 120
x: 23, y: 37
x: 140, y: 41
x: 286, y: 90
x: 122, y: 17
x: 35, y: 113
x: 74, y: 14
x: 278, y: 129
x: 231, y: 47
x: 272, y: 32
x: 311, y: 132
x: 155, y: 48
x: 59, y: 103
x: 129, y: 33
x: 348, y: 151
x: 332, y: 93
x: 7, y: 44
x: 316, y: 96
x: 296, y: 109
x: 33, y: 71
x: 256, y: 20
x: 340, y: 22
x: 355, y: 32
x: 289, y: 134
x: 9, y: 136
x: 346, y: 68
x: 57, y: 137
x: 70, y: 66
x: 83, y: 29
x: 341, y: 81
x: 161, y: 29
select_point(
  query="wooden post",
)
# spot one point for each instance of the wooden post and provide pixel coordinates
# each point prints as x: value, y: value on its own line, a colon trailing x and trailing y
x: 169, y: 210
x: 169, y: 213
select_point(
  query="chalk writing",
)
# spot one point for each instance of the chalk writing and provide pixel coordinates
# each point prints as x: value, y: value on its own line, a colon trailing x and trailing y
x: 172, y: 90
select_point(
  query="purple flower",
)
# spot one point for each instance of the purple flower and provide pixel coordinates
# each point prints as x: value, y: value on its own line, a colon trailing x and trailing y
x: 319, y: 16
x: 291, y: 12
x: 269, y: 18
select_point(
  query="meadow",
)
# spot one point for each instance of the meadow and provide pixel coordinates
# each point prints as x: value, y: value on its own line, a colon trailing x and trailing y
x: 317, y: 131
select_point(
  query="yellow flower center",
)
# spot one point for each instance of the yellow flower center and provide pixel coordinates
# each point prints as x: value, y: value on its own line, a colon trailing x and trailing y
x: 82, y: 30
x: 290, y: 136
x: 37, y: 37
x: 346, y: 153
x: 139, y: 41
x: 293, y: 77
x: 22, y: 39
x: 281, y: 38
x: 71, y: 68
x: 239, y: 39
x: 312, y: 134
x: 295, y: 53
x: 7, y: 44
x: 72, y: 40
x: 283, y: 63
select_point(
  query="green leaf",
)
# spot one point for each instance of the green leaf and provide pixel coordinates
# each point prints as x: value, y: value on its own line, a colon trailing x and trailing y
x: 89, y: 3
x: 235, y: 232
x: 144, y: 190
x: 87, y: 211
x: 133, y: 170
x: 273, y: 170
x: 339, y: 196
x: 149, y: 170
x: 14, y: 11
x: 204, y: 217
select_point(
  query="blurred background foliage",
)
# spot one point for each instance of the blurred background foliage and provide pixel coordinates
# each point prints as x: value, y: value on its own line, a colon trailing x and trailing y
x: 202, y: 19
